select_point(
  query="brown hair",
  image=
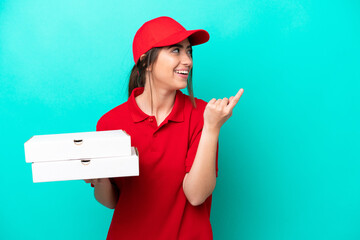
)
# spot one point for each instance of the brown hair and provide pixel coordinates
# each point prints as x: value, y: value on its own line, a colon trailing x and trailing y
x: 138, y: 78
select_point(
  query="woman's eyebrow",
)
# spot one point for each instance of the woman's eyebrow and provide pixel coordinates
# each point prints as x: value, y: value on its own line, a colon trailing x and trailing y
x: 179, y: 46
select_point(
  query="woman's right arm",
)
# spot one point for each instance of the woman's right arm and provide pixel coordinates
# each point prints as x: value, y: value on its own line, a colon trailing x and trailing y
x: 105, y: 192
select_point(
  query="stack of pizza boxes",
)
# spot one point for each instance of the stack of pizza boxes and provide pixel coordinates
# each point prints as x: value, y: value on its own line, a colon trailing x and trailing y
x: 86, y: 155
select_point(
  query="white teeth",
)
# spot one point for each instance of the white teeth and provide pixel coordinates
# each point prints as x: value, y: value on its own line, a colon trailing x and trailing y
x: 183, y: 72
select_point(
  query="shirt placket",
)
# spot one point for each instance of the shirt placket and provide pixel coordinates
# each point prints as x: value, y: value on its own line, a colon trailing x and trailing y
x: 154, y: 130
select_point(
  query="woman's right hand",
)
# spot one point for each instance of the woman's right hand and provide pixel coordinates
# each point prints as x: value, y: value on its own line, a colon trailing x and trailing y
x: 105, y: 192
x: 97, y: 181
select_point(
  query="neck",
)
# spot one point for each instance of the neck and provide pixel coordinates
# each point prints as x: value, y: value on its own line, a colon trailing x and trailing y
x: 162, y: 101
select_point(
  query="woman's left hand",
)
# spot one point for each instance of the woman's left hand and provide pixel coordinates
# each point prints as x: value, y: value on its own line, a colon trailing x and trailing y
x: 217, y: 112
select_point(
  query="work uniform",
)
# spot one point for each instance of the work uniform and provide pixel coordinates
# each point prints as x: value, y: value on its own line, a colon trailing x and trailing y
x: 153, y: 205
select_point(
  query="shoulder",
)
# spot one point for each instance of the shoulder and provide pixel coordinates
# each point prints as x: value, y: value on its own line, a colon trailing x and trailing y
x: 112, y: 117
x: 194, y: 114
x: 199, y: 104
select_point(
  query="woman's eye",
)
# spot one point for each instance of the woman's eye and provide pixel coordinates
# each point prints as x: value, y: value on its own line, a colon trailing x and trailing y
x: 176, y: 50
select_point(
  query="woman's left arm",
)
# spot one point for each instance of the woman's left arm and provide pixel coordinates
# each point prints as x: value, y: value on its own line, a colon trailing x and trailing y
x: 200, y: 182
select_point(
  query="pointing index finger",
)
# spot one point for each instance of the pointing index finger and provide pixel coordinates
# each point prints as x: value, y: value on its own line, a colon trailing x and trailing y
x: 235, y: 99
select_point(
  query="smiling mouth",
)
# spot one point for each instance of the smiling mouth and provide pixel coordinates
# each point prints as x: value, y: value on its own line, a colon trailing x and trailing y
x: 182, y: 72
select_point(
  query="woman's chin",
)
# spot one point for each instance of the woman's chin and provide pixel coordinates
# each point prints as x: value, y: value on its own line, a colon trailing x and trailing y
x: 182, y: 86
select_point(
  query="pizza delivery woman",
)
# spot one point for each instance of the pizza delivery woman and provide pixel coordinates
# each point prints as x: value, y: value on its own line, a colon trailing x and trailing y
x: 176, y: 136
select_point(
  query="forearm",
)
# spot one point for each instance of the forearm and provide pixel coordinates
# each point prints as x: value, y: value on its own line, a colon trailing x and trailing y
x: 200, y: 182
x: 106, y: 193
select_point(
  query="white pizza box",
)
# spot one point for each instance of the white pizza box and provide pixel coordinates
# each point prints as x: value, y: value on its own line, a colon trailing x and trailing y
x: 93, y: 168
x: 65, y: 146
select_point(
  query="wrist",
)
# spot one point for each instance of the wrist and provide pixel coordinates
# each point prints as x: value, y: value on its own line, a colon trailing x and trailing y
x: 211, y: 129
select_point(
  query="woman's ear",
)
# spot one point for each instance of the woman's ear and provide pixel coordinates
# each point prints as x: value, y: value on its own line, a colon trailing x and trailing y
x: 142, y: 57
x: 144, y: 64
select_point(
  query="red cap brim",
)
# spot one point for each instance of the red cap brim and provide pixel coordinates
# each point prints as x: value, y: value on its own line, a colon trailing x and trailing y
x: 196, y: 37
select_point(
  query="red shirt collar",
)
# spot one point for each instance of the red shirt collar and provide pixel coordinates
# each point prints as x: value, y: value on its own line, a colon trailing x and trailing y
x: 176, y: 115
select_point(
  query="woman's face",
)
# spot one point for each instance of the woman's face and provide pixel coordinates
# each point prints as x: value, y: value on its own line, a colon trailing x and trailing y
x: 172, y: 66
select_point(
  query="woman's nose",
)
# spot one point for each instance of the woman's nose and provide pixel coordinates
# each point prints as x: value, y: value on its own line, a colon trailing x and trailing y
x: 186, y: 59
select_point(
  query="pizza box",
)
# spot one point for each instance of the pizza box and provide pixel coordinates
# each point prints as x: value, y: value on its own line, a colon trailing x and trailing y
x: 90, y: 168
x: 84, y: 145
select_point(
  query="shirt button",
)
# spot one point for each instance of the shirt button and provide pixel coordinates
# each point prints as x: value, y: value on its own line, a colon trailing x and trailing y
x: 150, y: 119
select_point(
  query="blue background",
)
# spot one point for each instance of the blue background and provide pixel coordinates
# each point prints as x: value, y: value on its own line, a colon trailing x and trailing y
x: 289, y: 156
